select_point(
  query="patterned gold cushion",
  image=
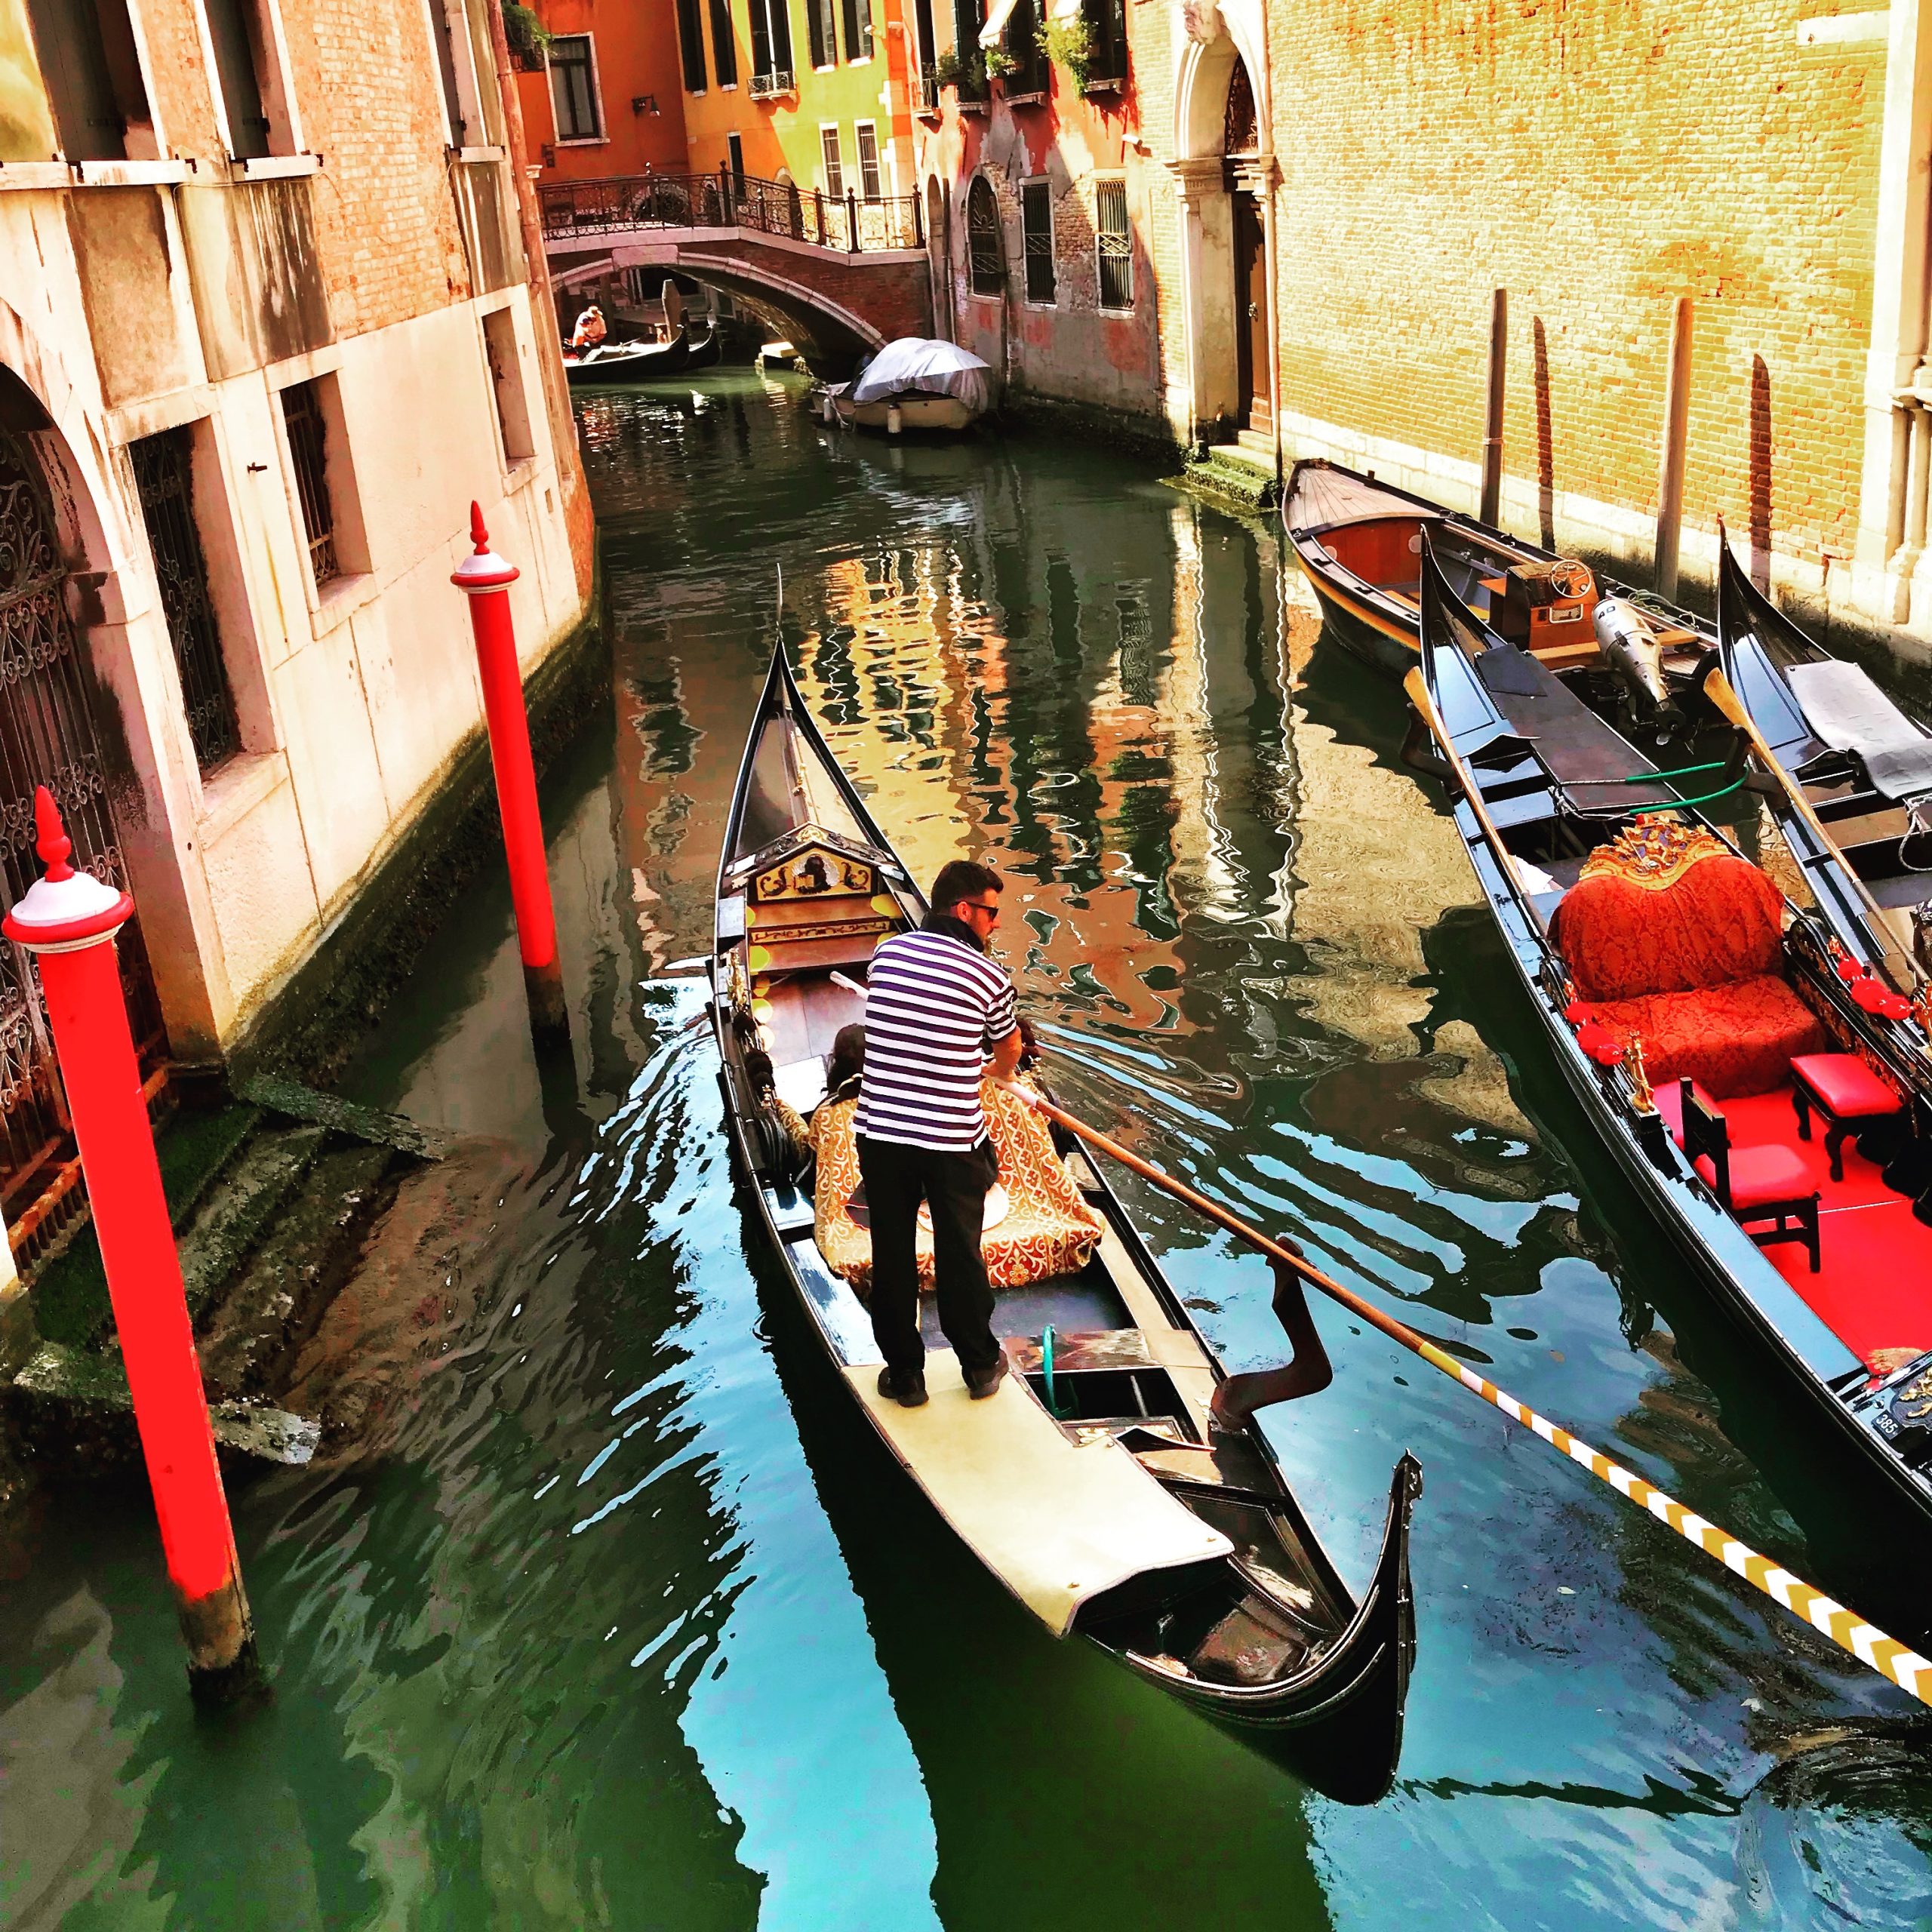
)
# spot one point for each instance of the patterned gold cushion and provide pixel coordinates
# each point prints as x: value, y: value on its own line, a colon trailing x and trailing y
x: 1048, y: 1229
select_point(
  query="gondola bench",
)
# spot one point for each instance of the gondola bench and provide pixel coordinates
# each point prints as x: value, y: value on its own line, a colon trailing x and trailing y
x: 1671, y: 938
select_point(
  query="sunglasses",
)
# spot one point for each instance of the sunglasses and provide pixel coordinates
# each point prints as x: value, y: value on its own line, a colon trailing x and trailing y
x: 990, y: 909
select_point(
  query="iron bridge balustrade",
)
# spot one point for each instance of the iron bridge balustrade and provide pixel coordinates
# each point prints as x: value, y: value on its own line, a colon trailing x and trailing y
x: 853, y: 225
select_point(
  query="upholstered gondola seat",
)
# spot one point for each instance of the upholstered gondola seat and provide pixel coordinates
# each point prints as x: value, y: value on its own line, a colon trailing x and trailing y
x: 1672, y: 938
x: 1047, y: 1229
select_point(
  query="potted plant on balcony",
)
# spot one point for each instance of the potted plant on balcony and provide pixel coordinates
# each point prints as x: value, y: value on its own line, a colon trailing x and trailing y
x: 1068, y: 43
x: 965, y: 73
x: 528, y: 37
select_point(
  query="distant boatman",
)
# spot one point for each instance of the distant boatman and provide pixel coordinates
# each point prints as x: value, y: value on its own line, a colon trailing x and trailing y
x: 936, y: 1011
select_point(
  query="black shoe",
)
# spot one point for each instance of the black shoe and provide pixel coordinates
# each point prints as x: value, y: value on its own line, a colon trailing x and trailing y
x: 909, y: 1392
x: 983, y: 1382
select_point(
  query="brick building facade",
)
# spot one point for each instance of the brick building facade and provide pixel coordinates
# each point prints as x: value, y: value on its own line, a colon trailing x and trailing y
x: 1038, y: 186
x: 266, y: 328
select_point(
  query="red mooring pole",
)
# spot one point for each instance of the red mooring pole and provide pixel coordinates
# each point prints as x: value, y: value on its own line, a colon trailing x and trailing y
x: 485, y: 579
x: 68, y: 920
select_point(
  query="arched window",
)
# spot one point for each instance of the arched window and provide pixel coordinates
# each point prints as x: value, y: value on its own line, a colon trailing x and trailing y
x: 986, y: 253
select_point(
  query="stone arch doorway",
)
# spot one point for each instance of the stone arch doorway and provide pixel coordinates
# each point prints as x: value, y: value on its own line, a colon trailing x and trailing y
x: 1225, y: 172
x: 49, y: 734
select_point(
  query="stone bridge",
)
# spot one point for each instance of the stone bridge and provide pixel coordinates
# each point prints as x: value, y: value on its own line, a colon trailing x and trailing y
x: 834, y: 275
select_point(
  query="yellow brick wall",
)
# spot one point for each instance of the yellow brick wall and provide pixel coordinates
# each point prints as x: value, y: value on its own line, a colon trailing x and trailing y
x: 1597, y: 158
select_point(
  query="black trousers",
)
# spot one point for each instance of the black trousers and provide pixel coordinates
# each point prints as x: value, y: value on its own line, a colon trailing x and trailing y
x: 897, y: 1177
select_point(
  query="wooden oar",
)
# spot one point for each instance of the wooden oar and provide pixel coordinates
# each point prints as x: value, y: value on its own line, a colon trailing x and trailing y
x: 1898, y: 967
x: 1850, y: 1632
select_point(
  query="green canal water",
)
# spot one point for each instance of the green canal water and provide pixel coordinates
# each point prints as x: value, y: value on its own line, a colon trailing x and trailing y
x: 622, y: 1622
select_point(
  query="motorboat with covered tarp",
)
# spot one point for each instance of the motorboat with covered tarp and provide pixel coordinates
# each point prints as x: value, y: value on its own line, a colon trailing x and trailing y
x: 1712, y: 1031
x: 1096, y: 1485
x: 1359, y: 541
x: 933, y: 385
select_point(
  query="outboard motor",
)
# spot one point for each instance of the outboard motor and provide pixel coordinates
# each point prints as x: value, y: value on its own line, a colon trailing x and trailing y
x: 1630, y: 644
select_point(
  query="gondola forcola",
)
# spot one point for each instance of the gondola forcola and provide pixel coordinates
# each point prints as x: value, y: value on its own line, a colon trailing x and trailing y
x: 1706, y: 1026
x: 1096, y: 1485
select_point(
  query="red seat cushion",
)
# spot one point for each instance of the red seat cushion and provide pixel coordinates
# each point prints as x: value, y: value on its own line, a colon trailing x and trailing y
x: 1720, y: 921
x: 1846, y: 1086
x: 1759, y: 1174
x: 1731, y: 1040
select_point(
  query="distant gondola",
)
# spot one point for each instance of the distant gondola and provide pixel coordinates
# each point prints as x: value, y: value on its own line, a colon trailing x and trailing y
x: 1359, y: 541
x: 1095, y: 1485
x: 1658, y: 958
x: 628, y: 361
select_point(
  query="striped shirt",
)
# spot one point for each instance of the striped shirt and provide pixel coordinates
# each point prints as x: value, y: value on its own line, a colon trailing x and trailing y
x: 934, y: 1004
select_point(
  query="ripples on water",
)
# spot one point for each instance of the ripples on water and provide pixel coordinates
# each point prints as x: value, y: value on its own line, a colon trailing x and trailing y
x: 625, y: 1624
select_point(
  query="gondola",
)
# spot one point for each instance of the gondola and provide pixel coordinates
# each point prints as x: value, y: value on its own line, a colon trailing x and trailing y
x: 628, y: 362
x: 706, y: 348
x: 1095, y: 1485
x: 1359, y: 541
x: 1685, y: 1000
x: 1856, y: 810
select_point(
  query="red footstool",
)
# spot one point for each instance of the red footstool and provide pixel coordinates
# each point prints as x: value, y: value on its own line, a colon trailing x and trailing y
x: 1846, y: 1091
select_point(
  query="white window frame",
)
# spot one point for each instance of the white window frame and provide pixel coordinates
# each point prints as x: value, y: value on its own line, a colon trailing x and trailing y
x: 877, y: 191
x: 1120, y: 181
x: 602, y: 137
x: 1026, y: 295
x: 836, y: 161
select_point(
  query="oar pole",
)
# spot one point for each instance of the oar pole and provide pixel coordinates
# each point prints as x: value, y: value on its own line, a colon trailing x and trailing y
x: 1871, y: 1646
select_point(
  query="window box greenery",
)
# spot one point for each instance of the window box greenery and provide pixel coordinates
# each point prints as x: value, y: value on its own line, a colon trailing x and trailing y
x: 529, y: 39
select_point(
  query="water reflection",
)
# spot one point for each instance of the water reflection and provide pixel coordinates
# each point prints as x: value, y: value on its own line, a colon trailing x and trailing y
x: 626, y: 1625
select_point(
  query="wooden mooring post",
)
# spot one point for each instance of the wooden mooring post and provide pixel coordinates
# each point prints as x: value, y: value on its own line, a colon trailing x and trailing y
x: 1491, y: 507
x: 1670, y: 468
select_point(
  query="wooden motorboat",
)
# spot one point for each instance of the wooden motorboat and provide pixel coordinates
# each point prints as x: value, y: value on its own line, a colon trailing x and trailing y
x: 1655, y: 953
x: 1359, y: 541
x: 1856, y: 809
x: 628, y: 362
x: 946, y: 415
x: 1095, y: 1485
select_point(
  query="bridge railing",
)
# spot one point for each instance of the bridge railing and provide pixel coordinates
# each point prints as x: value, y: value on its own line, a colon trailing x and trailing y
x: 853, y: 223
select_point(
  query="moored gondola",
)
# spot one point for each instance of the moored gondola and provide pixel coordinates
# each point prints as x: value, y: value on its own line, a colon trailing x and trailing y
x: 1096, y: 1485
x: 1359, y: 541
x: 1716, y: 1037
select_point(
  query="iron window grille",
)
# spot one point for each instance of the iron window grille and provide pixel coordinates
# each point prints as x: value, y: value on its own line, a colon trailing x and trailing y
x: 1113, y: 242
x: 307, y: 445
x: 573, y: 92
x: 1036, y: 226
x: 163, y: 476
x: 985, y: 254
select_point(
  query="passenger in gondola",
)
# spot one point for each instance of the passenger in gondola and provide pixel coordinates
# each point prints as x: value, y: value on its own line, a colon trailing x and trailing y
x: 591, y: 329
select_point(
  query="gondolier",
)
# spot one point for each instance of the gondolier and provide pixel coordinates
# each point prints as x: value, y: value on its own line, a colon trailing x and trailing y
x: 937, y: 1009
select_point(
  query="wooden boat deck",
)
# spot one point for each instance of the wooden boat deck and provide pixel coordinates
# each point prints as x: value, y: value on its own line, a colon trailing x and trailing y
x: 1057, y: 1520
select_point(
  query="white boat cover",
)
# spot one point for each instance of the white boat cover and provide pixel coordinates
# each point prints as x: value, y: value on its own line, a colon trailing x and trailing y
x: 917, y: 362
x: 1849, y: 712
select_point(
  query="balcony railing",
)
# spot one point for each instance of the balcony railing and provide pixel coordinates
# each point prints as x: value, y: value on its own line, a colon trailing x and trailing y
x: 851, y: 224
x: 769, y: 85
